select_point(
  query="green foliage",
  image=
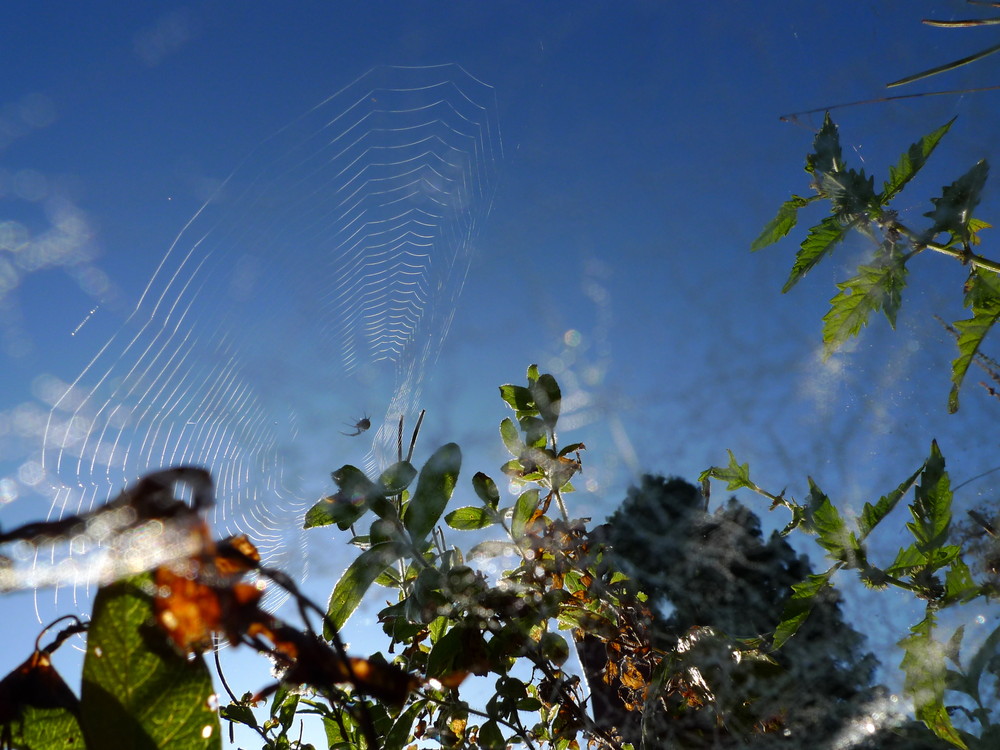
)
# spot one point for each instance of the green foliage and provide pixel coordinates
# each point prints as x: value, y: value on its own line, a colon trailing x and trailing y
x: 877, y: 285
x: 930, y: 568
x: 137, y: 691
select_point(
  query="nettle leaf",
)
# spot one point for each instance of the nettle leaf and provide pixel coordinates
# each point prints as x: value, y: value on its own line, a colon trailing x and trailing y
x: 907, y: 560
x: 832, y: 533
x: 138, y: 692
x: 958, y: 584
x: 925, y: 671
x: 469, y: 518
x: 486, y: 489
x: 911, y: 162
x: 735, y: 475
x: 875, y: 288
x: 783, y: 223
x: 437, y: 481
x: 821, y: 240
x: 850, y: 192
x: 798, y: 607
x: 931, y: 506
x: 984, y: 297
x: 357, y: 579
x: 871, y: 515
x: 826, y: 156
x: 953, y: 210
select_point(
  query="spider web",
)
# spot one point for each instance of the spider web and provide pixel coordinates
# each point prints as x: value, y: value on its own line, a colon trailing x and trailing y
x: 320, y: 279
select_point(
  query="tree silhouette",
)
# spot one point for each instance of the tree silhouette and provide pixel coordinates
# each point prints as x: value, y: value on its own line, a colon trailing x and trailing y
x: 716, y: 587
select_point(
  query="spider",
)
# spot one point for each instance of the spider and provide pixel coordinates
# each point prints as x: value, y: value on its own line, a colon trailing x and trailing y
x: 360, y: 426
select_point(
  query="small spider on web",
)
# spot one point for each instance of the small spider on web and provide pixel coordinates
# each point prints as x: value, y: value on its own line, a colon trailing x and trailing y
x: 360, y: 426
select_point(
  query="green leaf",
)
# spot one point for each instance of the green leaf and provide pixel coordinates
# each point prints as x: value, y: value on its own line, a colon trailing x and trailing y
x: 925, y: 673
x: 911, y: 162
x: 490, y: 736
x: 821, y: 240
x: 518, y: 398
x: 37, y: 708
x: 875, y: 288
x: 783, y: 223
x: 400, y: 733
x: 524, y: 508
x: 534, y: 429
x: 953, y: 210
x: 850, y: 192
x: 872, y: 516
x: 830, y: 528
x: 511, y: 437
x: 984, y: 297
x: 486, y: 490
x: 931, y: 506
x: 357, y: 579
x: 735, y: 475
x: 979, y: 661
x: 799, y: 605
x: 826, y: 156
x: 548, y: 399
x: 397, y: 478
x: 907, y: 560
x: 437, y: 481
x: 532, y: 373
x: 468, y: 518
x: 355, y: 496
x: 138, y: 692
x: 959, y: 587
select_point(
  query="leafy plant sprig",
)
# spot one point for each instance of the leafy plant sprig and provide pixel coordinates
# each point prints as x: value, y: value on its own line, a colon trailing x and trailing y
x: 878, y: 285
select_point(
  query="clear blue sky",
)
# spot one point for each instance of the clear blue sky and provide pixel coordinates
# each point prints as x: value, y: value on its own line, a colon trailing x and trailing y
x: 641, y: 154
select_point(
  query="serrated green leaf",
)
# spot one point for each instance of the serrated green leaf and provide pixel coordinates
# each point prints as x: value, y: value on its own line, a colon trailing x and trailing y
x: 518, y: 398
x: 735, y: 475
x: 850, y: 192
x: 357, y: 579
x: 911, y: 162
x: 39, y: 711
x: 397, y: 477
x: 821, y: 240
x: 138, y: 692
x: 871, y: 516
x: 875, y: 288
x: 525, y: 506
x: 931, y: 506
x: 981, y: 659
x: 826, y: 155
x: 783, y: 223
x: 984, y: 296
x: 486, y: 490
x: 799, y: 605
x: 925, y: 673
x: 437, y: 481
x: 832, y: 533
x: 511, y: 437
x: 907, y: 560
x: 469, y: 518
x: 959, y: 587
x: 953, y: 210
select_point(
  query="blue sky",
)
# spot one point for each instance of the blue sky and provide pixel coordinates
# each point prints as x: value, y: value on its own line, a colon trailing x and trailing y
x: 641, y: 154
